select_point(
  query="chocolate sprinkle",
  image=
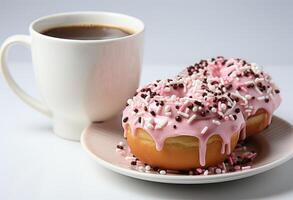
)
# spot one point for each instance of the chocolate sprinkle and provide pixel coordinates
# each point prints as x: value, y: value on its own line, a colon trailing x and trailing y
x: 125, y: 119
x: 178, y: 119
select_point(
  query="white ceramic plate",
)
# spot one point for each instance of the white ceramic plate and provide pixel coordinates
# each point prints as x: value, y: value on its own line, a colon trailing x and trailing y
x: 274, y: 147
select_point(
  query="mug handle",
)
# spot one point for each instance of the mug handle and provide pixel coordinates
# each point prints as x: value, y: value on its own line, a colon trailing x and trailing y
x: 34, y: 103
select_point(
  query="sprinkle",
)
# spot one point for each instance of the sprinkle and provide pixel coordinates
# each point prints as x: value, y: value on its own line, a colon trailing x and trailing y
x: 162, y: 123
x: 129, y: 101
x: 204, y: 130
x: 218, y: 171
x: 167, y: 89
x: 249, y: 82
x: 149, y: 126
x: 183, y: 114
x: 199, y: 170
x: 174, y: 126
x: 206, y: 172
x: 178, y: 119
x: 121, y: 143
x: 194, y: 109
x: 147, y: 168
x: 232, y: 117
x: 257, y: 89
x: 162, y: 172
x: 247, y: 96
x: 191, y: 118
x: 140, y: 168
x: 216, y: 122
x: 214, y: 110
x: 277, y: 91
x: 168, y: 114
x: 173, y: 97
x: 237, y: 110
x: 133, y: 162
x: 125, y: 119
x: 167, y: 108
x: 246, y: 167
x: 261, y: 98
x: 130, y: 158
x: 223, y: 106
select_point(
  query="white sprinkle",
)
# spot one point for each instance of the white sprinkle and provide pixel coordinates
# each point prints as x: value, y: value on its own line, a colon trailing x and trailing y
x: 223, y: 106
x: 149, y: 120
x: 248, y: 96
x: 231, y: 117
x: 140, y: 168
x: 162, y: 123
x: 168, y: 114
x: 248, y: 82
x: 261, y: 98
x: 167, y: 108
x: 220, y: 113
x: 260, y: 92
x: 149, y: 126
x: 199, y: 108
x: 147, y: 99
x: 118, y: 150
x: 259, y: 80
x: 204, y: 130
x: 129, y: 101
x: 214, y: 110
x: 248, y: 110
x: 246, y: 167
x: 163, y: 172
x: 130, y: 158
x: 121, y: 143
x: 167, y: 89
x: 183, y: 114
x: 216, y: 122
x: 147, y: 168
x: 194, y: 109
x: 218, y: 171
x: 191, y: 118
x: 206, y: 172
x: 187, y: 110
x: 173, y: 97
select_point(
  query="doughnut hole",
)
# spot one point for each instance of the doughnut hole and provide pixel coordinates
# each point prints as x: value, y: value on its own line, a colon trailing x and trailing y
x: 257, y: 123
x: 178, y: 153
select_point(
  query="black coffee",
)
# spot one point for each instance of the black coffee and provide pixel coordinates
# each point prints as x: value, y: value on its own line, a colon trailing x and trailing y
x: 87, y: 32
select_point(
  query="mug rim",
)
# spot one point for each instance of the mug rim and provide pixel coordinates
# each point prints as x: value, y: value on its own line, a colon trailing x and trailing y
x: 33, y: 31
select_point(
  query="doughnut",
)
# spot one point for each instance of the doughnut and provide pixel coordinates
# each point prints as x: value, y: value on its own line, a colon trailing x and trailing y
x: 252, y: 88
x: 196, y: 118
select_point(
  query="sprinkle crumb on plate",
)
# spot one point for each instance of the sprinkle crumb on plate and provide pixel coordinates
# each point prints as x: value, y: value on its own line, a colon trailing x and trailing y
x: 240, y: 159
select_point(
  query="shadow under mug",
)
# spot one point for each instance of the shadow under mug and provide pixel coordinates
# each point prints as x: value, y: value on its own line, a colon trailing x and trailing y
x: 80, y: 81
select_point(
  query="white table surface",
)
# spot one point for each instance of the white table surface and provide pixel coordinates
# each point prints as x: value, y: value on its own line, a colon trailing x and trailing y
x: 35, y: 164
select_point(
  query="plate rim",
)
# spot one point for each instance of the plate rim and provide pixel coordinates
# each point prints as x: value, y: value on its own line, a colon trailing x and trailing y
x: 182, y: 179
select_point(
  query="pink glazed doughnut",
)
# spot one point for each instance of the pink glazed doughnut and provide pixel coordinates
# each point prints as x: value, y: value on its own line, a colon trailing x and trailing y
x: 196, y: 119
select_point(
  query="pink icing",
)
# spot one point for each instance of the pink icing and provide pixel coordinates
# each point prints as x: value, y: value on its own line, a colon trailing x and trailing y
x: 213, y: 97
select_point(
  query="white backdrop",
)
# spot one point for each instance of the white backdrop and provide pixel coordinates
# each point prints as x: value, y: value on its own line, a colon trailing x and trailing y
x: 181, y: 31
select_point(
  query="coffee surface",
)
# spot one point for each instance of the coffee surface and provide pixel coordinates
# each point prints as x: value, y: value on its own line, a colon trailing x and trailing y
x: 87, y: 32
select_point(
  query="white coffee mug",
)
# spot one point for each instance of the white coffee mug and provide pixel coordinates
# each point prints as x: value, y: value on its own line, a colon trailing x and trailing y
x: 80, y: 81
